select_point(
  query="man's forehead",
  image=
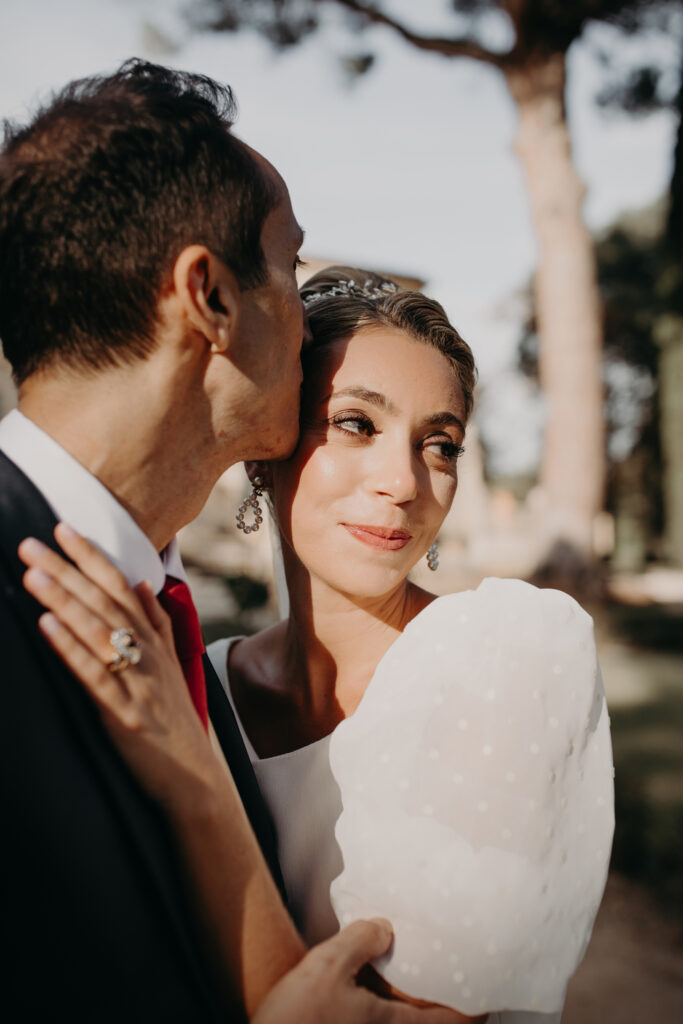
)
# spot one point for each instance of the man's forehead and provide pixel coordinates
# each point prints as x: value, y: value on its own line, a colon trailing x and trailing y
x: 274, y: 177
x: 282, y: 199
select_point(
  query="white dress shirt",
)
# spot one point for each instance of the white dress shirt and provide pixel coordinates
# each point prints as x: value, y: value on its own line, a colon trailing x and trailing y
x: 78, y: 498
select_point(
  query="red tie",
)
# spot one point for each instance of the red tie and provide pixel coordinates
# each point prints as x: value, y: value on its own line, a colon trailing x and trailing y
x: 176, y: 600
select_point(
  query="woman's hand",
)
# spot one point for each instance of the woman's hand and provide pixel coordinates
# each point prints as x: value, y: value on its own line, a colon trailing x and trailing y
x: 149, y: 714
x: 146, y: 708
x: 151, y: 719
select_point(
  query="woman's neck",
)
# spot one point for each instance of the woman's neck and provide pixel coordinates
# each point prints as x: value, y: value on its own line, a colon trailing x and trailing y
x: 296, y: 681
x: 334, y: 641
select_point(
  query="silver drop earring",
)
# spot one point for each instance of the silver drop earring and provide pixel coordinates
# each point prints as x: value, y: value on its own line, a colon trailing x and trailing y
x: 251, y: 502
x: 433, y: 557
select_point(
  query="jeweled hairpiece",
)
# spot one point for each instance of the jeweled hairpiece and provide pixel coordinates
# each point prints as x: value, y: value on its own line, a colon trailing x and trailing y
x: 369, y: 290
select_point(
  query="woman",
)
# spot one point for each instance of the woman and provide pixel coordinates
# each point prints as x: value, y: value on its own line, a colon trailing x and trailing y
x: 490, y: 917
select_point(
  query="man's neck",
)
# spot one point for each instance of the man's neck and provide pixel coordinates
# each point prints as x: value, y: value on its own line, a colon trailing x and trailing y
x: 118, y: 426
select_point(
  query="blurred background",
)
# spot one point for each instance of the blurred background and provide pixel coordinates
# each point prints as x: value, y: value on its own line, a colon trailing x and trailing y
x: 521, y: 161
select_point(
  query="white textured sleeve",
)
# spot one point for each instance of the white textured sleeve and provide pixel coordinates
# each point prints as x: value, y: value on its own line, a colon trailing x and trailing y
x: 477, y: 791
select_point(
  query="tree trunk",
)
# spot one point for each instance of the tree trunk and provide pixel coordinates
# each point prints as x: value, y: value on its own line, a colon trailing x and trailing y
x: 568, y: 309
x: 669, y: 336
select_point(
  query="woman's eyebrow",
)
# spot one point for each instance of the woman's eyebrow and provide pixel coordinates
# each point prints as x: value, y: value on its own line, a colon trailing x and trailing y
x: 380, y: 401
x: 444, y: 419
x: 365, y: 395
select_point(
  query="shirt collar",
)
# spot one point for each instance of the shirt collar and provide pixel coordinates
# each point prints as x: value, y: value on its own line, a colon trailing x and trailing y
x: 78, y: 498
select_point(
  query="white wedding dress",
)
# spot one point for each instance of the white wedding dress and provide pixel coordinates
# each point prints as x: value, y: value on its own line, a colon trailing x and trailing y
x: 469, y: 799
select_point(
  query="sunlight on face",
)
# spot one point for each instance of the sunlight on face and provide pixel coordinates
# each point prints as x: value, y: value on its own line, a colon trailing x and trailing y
x: 374, y: 475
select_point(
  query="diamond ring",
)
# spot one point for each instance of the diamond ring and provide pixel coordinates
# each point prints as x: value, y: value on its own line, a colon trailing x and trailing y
x: 127, y: 648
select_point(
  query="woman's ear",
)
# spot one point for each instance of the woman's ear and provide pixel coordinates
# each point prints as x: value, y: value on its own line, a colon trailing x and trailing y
x: 262, y: 471
x: 208, y: 294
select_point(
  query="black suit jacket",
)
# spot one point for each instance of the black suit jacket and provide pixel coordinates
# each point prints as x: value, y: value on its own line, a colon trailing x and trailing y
x: 94, y: 910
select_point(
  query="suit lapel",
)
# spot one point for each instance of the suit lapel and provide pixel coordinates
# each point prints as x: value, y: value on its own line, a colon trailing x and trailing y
x: 230, y: 739
x: 24, y: 512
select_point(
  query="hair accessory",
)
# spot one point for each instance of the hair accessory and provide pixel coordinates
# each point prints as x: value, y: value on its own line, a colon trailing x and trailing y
x: 251, y: 501
x: 369, y: 290
x: 433, y: 557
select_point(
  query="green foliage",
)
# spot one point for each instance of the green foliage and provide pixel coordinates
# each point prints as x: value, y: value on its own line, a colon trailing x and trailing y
x: 283, y: 22
x: 539, y: 28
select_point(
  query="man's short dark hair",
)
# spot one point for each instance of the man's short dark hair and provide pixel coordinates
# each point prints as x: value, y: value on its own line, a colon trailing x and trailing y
x: 98, y: 196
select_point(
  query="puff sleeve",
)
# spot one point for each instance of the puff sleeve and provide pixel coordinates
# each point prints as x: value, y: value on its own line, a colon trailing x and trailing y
x: 477, y: 788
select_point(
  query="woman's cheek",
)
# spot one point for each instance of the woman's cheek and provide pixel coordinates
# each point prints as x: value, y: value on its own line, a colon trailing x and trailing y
x: 312, y: 498
x: 328, y: 472
x: 333, y: 467
x: 444, y: 489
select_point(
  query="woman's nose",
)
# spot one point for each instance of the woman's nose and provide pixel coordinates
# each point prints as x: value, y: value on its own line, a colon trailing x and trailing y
x: 394, y: 472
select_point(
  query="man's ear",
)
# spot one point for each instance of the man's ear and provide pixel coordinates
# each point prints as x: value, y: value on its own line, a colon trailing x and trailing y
x: 208, y: 294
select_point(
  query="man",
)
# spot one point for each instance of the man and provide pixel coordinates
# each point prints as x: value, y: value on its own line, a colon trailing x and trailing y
x: 150, y: 313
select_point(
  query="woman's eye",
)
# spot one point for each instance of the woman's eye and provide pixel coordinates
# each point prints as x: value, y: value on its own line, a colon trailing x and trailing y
x: 298, y: 262
x: 445, y: 448
x: 358, y: 425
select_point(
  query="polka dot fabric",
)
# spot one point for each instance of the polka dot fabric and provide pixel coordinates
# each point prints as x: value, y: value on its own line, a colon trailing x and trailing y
x: 477, y: 788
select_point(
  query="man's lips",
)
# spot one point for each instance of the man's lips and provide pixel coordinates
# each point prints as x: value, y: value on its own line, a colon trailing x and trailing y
x: 378, y: 536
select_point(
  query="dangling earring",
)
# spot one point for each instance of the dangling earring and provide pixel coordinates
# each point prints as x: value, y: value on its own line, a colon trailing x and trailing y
x: 252, y: 501
x: 433, y: 557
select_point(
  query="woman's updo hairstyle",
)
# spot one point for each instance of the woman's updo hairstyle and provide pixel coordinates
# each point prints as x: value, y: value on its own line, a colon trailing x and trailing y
x: 342, y: 300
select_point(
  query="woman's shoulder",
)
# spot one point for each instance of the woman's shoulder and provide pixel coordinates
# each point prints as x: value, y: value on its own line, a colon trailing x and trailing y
x: 479, y: 760
x: 506, y: 641
x: 217, y: 652
x: 514, y: 593
x: 507, y: 606
x: 506, y: 638
x: 248, y: 655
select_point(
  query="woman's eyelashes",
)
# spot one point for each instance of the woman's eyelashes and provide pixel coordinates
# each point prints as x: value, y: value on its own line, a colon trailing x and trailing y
x: 445, y: 447
x: 358, y: 425
x: 355, y: 423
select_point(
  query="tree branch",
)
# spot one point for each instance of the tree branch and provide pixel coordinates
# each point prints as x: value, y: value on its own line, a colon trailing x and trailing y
x: 434, y: 44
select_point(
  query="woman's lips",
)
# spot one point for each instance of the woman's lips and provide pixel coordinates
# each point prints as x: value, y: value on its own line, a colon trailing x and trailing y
x: 378, y: 536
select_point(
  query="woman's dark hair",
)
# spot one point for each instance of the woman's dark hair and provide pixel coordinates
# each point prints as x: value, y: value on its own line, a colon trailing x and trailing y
x: 98, y: 196
x: 342, y: 300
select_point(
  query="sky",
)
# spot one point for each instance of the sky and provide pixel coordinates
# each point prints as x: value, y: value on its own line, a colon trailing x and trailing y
x: 410, y: 168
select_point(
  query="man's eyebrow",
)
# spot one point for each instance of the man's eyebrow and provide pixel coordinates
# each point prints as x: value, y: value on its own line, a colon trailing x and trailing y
x: 365, y: 395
